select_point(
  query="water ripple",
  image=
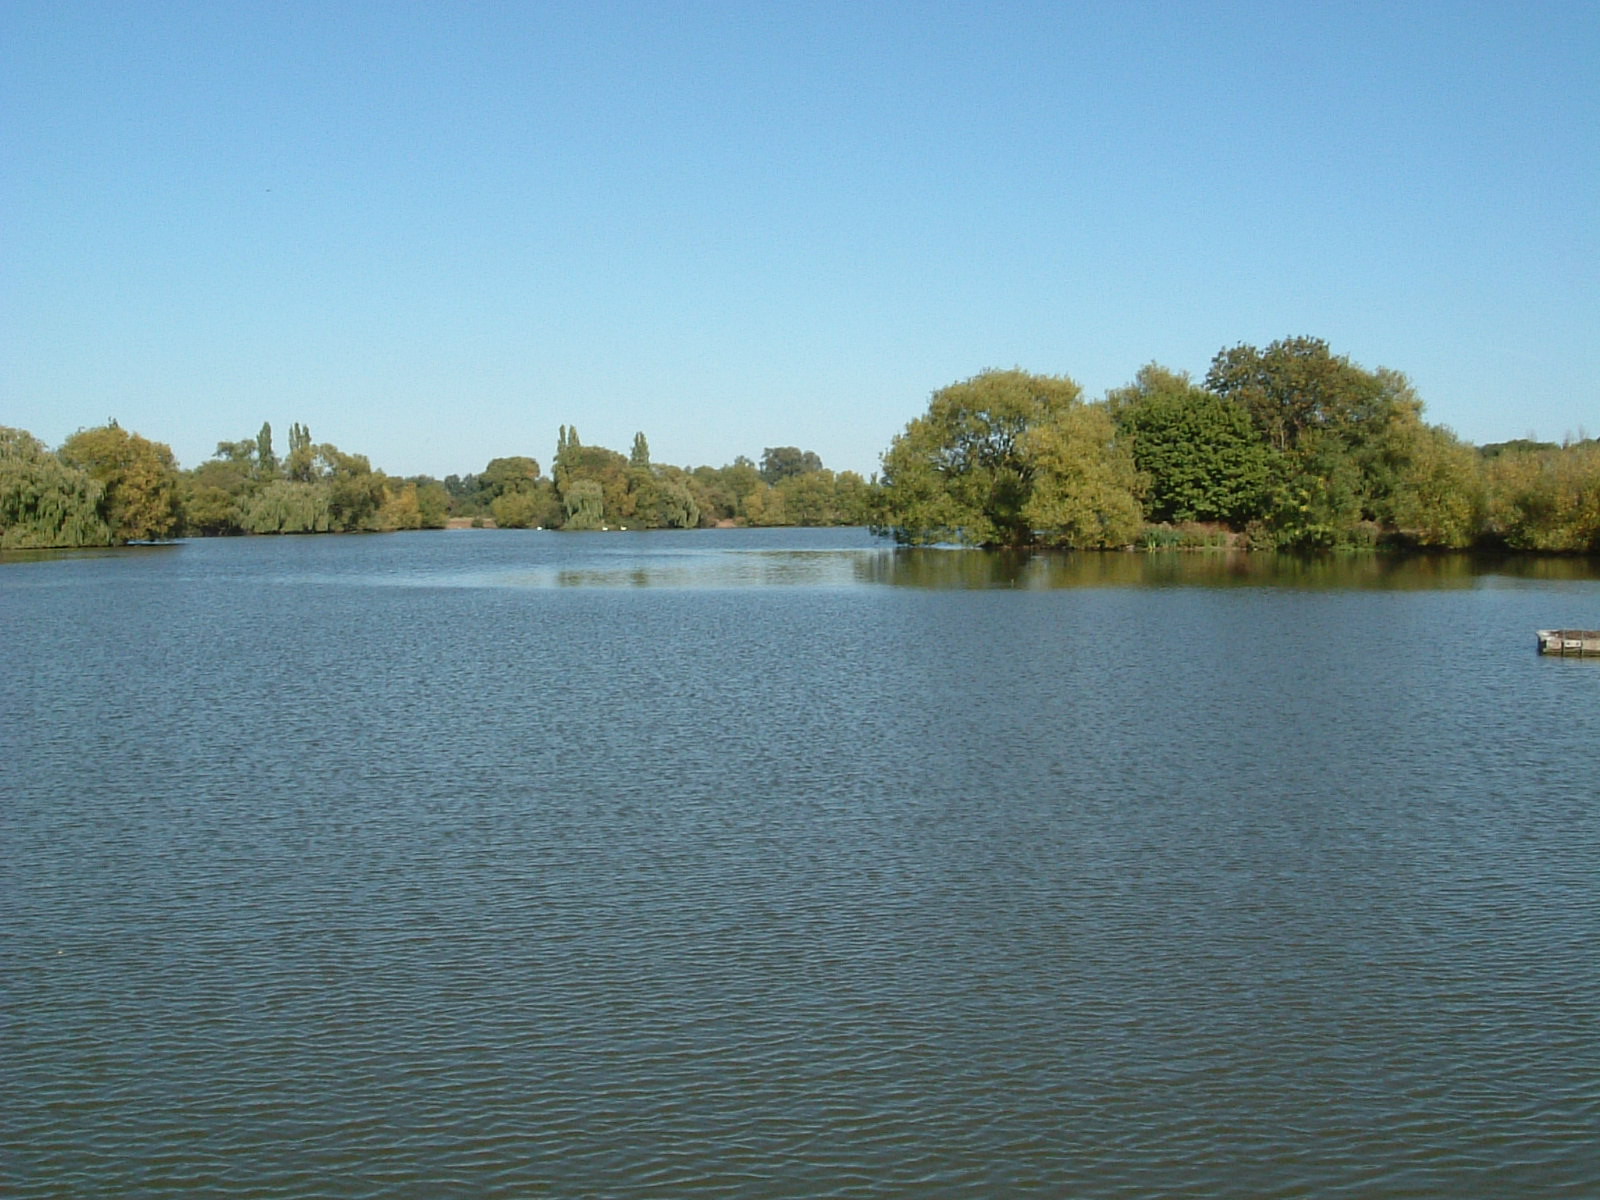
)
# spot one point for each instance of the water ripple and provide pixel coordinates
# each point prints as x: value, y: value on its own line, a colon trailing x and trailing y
x: 355, y: 891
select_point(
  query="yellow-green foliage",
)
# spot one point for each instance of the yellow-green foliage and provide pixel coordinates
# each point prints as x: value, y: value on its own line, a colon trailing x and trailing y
x: 1003, y: 459
x: 1084, y: 481
x: 140, y: 478
x: 401, y: 508
x: 515, y: 510
x: 287, y: 506
x: 817, y: 496
x: 1436, y: 496
x: 1546, y: 499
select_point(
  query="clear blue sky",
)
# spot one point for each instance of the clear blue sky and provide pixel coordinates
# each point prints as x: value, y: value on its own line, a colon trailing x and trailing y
x: 434, y: 232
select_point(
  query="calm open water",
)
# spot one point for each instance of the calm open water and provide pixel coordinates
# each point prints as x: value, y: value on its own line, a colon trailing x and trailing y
x: 784, y: 864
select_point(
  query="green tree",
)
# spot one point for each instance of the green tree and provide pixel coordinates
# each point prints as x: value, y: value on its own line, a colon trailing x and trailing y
x: 1435, y: 492
x: 576, y: 463
x: 1199, y: 452
x: 242, y: 451
x: 214, y: 495
x: 266, y: 460
x: 211, y: 494
x: 301, y: 464
x: 853, y: 498
x: 514, y: 493
x: 1333, y: 426
x: 43, y: 502
x: 433, y: 502
x: 401, y: 507
x: 664, y: 500
x: 517, y: 509
x: 568, y: 448
x: 584, y: 501
x: 714, y: 497
x: 741, y: 479
x: 1297, y: 386
x: 963, y: 471
x: 355, y: 491
x: 287, y: 506
x: 809, y: 497
x: 765, y: 506
x: 1315, y: 499
x: 781, y: 462
x: 657, y: 497
x: 818, y: 497
x: 639, y: 457
x: 504, y: 476
x: 468, y: 498
x: 1515, y: 446
x: 140, y: 478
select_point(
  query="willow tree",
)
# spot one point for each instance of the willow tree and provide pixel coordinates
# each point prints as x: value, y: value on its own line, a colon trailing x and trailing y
x: 45, y: 503
x: 1085, y: 491
x: 609, y: 471
x: 584, y: 500
x: 287, y: 506
x: 1007, y: 458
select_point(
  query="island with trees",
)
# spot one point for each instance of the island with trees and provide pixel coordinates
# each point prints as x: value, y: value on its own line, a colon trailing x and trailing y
x: 1286, y: 448
x: 1290, y: 447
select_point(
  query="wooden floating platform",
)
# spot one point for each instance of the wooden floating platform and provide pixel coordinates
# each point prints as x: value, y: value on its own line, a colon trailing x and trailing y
x: 1569, y: 641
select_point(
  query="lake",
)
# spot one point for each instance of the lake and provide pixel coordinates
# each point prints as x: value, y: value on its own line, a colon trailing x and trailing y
x: 741, y: 863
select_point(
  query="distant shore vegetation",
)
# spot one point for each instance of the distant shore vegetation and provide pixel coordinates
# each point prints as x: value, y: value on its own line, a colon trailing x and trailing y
x: 1290, y: 447
x: 108, y: 486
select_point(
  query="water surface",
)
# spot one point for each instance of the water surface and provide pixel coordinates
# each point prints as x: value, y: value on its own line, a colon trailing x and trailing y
x: 785, y: 864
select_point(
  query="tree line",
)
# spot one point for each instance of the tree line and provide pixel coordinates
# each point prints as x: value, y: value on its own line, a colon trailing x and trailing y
x: 594, y: 487
x: 1287, y: 448
x: 1290, y: 447
x: 107, y: 486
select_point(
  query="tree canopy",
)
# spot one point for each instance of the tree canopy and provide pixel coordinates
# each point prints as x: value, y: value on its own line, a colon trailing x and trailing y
x: 43, y: 501
x: 1198, y: 451
x: 1009, y: 459
x: 1288, y: 447
x: 139, y: 479
x: 784, y: 462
